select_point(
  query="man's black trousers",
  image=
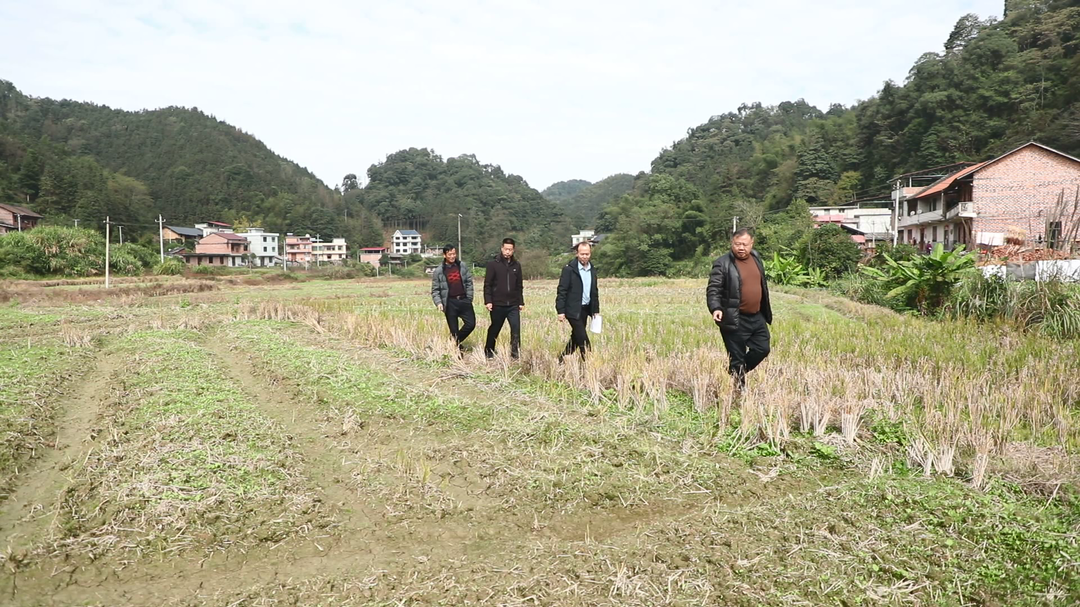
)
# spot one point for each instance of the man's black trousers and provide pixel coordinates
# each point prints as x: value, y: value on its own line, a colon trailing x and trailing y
x: 499, y: 314
x: 459, y: 309
x: 747, y: 345
x: 579, y: 337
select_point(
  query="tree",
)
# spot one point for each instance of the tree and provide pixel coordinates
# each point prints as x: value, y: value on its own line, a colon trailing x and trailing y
x: 349, y: 184
x: 829, y: 249
x: 29, y: 179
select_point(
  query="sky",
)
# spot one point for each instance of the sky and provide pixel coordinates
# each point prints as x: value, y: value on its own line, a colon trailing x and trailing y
x: 550, y: 90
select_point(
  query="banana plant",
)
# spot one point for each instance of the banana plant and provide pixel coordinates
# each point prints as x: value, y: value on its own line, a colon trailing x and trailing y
x: 923, y: 283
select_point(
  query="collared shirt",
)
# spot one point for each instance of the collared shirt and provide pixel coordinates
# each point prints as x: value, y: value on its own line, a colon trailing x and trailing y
x: 586, y: 282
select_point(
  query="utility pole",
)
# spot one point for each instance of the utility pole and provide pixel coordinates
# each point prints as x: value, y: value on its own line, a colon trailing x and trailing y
x: 459, y: 235
x: 107, y: 225
x: 318, y: 238
x: 18, y: 221
x: 76, y: 224
x: 121, y: 234
x: 161, y: 236
x: 896, y: 213
x: 734, y: 225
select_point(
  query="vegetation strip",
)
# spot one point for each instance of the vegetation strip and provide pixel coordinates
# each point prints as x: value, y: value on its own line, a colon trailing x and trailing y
x: 187, y: 461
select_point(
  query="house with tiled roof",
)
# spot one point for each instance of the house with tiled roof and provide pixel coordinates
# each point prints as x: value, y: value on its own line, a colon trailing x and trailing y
x: 220, y: 249
x: 1032, y: 192
x: 14, y: 218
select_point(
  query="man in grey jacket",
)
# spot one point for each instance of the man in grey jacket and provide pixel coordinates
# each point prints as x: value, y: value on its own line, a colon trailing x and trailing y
x: 452, y: 294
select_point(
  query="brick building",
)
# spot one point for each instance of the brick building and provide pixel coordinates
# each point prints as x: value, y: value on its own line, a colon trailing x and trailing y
x: 298, y: 249
x: 1028, y: 191
x: 220, y: 249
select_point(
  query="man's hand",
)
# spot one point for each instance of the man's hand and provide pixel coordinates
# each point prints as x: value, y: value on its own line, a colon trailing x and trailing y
x: 440, y: 308
x: 521, y: 307
x: 489, y: 306
x: 718, y: 315
x: 562, y: 317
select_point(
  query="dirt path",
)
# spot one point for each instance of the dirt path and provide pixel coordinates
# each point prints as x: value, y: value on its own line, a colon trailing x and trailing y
x: 26, y: 515
x: 363, y: 535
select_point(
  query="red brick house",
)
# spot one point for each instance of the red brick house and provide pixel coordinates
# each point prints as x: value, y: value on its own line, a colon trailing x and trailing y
x: 219, y: 249
x: 1028, y: 191
x: 15, y: 218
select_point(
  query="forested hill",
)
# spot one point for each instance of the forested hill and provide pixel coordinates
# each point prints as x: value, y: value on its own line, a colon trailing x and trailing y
x: 81, y: 160
x: 563, y: 191
x: 993, y: 86
x: 417, y: 188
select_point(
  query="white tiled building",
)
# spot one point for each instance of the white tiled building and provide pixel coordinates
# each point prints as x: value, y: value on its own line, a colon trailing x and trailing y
x: 334, y: 251
x: 584, y: 236
x: 405, y: 242
x: 264, y: 246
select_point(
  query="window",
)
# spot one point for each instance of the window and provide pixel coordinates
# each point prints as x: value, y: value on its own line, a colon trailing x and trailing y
x: 1053, y: 234
x: 933, y: 234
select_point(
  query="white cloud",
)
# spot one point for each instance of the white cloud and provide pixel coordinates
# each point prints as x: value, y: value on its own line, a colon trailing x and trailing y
x: 550, y: 91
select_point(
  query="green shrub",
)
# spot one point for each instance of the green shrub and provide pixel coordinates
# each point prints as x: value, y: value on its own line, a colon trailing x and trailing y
x: 54, y: 251
x: 170, y: 267
x: 830, y: 249
x: 864, y: 289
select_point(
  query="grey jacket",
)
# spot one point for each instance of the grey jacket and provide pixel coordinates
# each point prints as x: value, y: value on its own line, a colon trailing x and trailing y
x: 440, y: 287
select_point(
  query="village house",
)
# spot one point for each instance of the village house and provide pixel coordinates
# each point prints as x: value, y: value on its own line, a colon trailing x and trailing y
x: 16, y: 219
x: 212, y: 227
x: 589, y: 236
x: 405, y: 242
x: 1028, y: 192
x: 372, y: 255
x: 180, y: 234
x: 220, y: 249
x: 264, y: 246
x: 866, y: 223
x: 298, y: 249
x: 335, y: 251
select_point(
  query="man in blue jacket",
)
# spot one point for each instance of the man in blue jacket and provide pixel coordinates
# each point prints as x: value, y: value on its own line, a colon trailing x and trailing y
x: 577, y: 298
x: 738, y: 299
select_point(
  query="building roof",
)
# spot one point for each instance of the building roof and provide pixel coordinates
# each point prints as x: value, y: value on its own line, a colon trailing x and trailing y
x: 229, y: 236
x: 944, y: 183
x: 193, y: 232
x: 219, y: 224
x: 17, y: 210
x: 373, y: 249
x: 408, y: 232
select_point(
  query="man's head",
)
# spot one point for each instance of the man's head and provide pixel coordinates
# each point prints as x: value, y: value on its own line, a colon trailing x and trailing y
x: 742, y: 243
x: 508, y: 245
x: 584, y: 252
x: 449, y: 253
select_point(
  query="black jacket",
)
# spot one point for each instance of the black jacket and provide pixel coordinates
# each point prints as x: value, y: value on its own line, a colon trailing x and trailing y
x: 503, y: 284
x: 568, y: 294
x: 725, y: 291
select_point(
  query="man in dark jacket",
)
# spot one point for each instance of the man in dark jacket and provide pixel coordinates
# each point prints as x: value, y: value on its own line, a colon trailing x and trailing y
x: 738, y: 299
x: 577, y: 298
x: 504, y: 298
x: 452, y: 294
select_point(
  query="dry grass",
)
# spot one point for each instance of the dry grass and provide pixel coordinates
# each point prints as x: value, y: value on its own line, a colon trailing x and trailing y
x: 952, y: 388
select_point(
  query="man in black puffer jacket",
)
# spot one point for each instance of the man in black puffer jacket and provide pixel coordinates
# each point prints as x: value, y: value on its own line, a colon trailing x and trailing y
x: 738, y: 299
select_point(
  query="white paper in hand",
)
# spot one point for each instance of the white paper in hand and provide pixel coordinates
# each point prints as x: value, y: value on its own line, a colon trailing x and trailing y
x: 596, y: 324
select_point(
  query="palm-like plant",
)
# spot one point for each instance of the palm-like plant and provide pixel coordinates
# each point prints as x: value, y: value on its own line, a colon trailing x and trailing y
x: 923, y: 283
